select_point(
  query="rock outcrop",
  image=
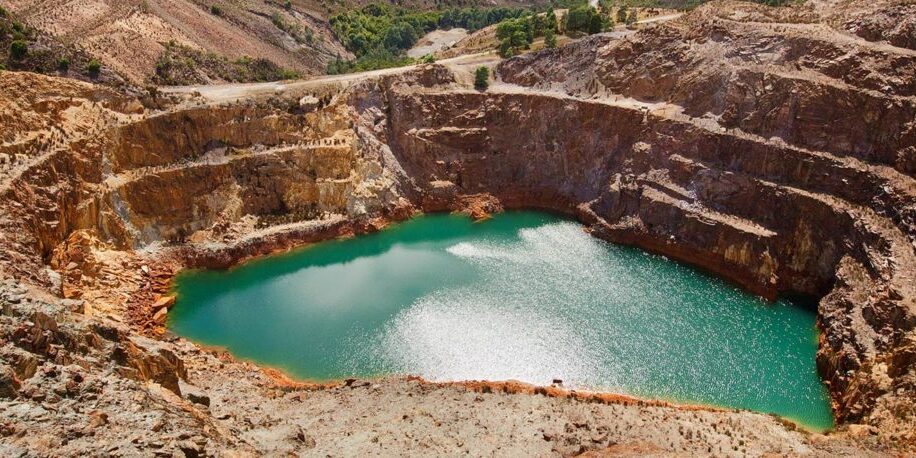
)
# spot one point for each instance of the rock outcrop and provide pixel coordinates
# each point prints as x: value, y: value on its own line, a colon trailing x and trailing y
x: 773, y: 147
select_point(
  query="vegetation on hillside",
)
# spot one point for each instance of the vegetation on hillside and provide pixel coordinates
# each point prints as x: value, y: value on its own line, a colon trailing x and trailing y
x: 550, y: 38
x: 586, y: 19
x: 482, y: 78
x: 302, y: 35
x: 379, y: 34
x: 181, y: 65
x: 517, y: 34
x: 23, y: 48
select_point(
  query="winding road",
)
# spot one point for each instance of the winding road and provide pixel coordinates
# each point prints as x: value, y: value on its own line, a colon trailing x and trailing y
x: 227, y: 92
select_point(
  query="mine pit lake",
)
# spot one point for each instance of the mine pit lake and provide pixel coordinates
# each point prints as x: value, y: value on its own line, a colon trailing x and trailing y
x: 526, y: 296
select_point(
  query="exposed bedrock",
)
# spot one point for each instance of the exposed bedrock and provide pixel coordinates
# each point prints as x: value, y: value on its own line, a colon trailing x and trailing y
x: 703, y: 197
x: 804, y: 83
x: 718, y: 139
x: 780, y: 155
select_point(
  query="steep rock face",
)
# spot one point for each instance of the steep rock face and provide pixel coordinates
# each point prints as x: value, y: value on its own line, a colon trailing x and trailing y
x: 52, y: 131
x: 168, y: 176
x: 804, y: 83
x: 893, y: 22
x: 808, y: 133
x: 717, y: 139
x: 231, y: 164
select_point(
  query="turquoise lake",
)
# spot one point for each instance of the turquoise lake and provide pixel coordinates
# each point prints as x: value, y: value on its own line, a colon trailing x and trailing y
x: 526, y: 296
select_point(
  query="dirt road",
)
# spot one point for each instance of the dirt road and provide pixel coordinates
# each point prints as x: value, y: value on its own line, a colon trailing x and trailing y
x: 218, y: 93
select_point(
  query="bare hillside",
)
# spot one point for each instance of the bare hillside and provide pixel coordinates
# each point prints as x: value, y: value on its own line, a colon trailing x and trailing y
x: 130, y: 36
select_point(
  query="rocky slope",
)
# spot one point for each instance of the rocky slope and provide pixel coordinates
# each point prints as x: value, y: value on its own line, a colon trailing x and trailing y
x: 792, y: 112
x: 774, y: 147
x: 130, y: 36
x: 48, y: 55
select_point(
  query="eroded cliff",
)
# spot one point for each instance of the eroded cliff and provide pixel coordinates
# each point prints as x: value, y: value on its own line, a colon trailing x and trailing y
x: 774, y: 147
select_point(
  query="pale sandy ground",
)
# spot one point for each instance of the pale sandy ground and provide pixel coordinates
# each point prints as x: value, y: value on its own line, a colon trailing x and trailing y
x: 435, y: 41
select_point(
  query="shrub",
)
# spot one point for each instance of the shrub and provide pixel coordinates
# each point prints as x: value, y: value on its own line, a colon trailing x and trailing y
x: 288, y: 5
x: 622, y: 14
x: 428, y: 59
x: 482, y: 78
x: 20, y: 31
x: 278, y: 21
x: 550, y: 39
x: 2, y: 12
x: 18, y: 49
x: 216, y: 10
x: 287, y: 74
x: 94, y: 67
x: 63, y: 64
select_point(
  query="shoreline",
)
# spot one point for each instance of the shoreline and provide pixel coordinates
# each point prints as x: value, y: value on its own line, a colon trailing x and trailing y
x: 284, y: 377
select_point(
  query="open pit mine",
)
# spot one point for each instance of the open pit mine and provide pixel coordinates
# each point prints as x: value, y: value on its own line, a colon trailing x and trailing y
x: 772, y: 148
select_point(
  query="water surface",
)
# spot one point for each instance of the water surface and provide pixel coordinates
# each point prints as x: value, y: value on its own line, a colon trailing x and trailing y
x: 524, y: 296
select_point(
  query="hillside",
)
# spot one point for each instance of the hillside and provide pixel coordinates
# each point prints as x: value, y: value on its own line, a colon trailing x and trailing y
x: 166, y: 42
x: 131, y: 36
x: 774, y: 148
x: 23, y: 48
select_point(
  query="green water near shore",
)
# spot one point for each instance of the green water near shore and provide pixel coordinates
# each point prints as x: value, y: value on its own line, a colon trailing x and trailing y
x: 525, y: 296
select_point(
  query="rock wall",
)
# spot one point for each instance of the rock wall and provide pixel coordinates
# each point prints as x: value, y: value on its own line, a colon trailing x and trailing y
x: 770, y: 148
x: 773, y: 150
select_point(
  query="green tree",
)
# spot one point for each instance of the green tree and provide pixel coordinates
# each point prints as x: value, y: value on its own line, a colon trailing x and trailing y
x: 528, y: 28
x: 18, y: 49
x: 482, y: 78
x: 63, y: 64
x: 538, y: 25
x: 505, y: 49
x: 595, y: 23
x: 400, y: 36
x: 550, y: 20
x: 585, y: 19
x: 550, y: 38
x: 216, y: 10
x: 513, y: 35
x: 576, y: 20
x: 288, y: 5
